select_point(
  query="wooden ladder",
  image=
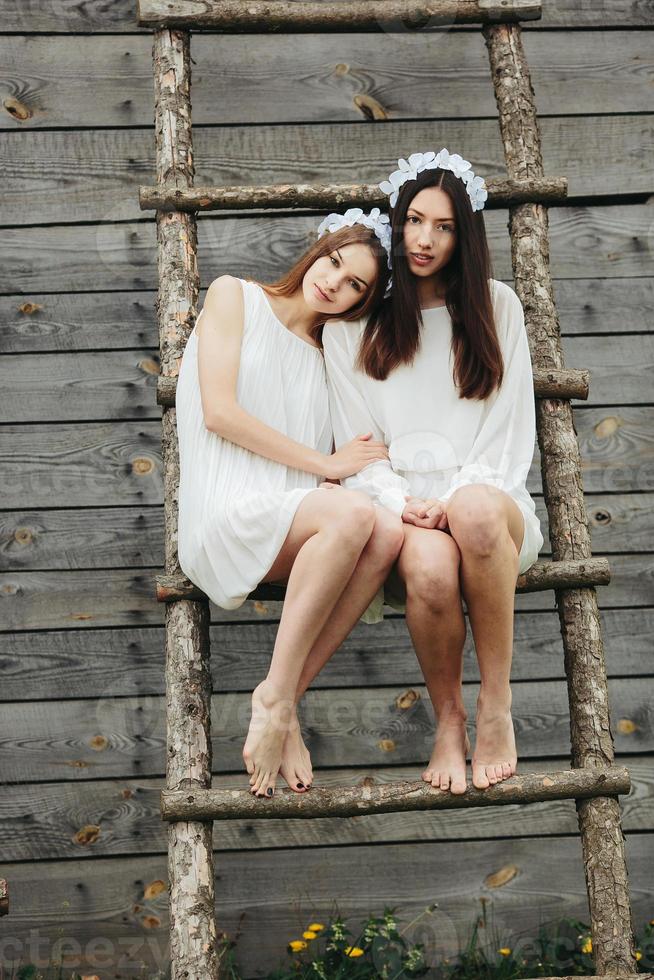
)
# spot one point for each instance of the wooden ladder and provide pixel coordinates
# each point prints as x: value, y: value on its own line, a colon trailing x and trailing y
x: 188, y: 803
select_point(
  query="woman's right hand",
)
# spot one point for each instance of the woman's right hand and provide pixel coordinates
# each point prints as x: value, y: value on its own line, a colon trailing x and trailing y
x: 354, y: 455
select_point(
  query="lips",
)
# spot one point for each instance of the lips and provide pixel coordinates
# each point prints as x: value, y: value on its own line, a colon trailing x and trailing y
x: 320, y: 292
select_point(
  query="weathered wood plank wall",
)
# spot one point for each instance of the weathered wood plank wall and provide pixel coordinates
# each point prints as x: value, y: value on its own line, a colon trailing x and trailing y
x: 82, y: 713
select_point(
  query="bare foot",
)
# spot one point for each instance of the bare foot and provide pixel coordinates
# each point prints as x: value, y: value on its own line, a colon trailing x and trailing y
x: 271, y: 721
x: 296, y: 761
x: 447, y: 767
x: 495, y: 756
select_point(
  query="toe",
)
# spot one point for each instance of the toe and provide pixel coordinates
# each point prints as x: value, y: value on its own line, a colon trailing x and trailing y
x: 427, y: 775
x: 490, y: 775
x: 506, y: 770
x: 445, y: 780
x: 479, y: 778
x: 458, y: 786
x: 258, y: 779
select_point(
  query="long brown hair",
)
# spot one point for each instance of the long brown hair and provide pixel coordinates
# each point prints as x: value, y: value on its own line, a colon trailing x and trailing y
x: 291, y: 281
x: 392, y: 333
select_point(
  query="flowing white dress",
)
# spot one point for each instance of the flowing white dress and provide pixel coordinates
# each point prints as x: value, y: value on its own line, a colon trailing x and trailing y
x: 236, y: 507
x: 438, y: 442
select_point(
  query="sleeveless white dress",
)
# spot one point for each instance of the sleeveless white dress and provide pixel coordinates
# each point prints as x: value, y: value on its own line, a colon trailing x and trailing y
x: 236, y: 507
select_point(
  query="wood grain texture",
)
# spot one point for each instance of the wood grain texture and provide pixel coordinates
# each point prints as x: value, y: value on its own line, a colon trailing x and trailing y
x: 115, y: 737
x: 108, y: 898
x: 587, y: 242
x: 127, y: 661
x: 119, y: 463
x: 255, y: 79
x: 59, y: 177
x: 132, y: 537
x: 50, y: 323
x: 43, y: 821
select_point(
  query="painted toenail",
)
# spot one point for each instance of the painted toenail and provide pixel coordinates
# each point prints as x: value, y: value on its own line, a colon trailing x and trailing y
x: 269, y: 791
x: 300, y: 785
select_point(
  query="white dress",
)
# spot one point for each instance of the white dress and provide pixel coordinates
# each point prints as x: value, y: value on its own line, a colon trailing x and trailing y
x: 437, y: 441
x: 236, y: 507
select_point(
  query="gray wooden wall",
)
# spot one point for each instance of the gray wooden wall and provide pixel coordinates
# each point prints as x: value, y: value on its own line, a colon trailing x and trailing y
x: 82, y: 713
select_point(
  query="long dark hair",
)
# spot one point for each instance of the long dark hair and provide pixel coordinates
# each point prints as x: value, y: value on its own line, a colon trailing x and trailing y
x: 392, y: 333
x: 291, y: 281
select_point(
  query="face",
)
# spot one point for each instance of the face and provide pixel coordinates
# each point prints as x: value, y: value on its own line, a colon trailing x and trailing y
x: 338, y: 281
x: 429, y: 232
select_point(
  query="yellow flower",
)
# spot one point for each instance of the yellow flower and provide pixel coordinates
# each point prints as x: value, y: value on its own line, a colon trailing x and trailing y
x: 651, y: 922
x: 316, y: 927
x: 297, y: 944
x: 505, y: 951
x: 309, y: 934
x: 588, y: 946
x: 638, y: 954
x: 353, y: 951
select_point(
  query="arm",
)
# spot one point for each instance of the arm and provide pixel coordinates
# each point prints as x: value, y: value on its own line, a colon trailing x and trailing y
x: 219, y: 356
x: 350, y: 414
x: 503, y: 450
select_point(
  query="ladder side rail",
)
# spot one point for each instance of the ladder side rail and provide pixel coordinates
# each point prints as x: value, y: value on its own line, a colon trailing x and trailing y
x: 193, y: 941
x: 591, y: 738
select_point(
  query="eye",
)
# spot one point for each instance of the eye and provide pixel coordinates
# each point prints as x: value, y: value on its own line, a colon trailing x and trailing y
x: 447, y: 227
x: 356, y: 285
x: 414, y: 217
x: 334, y: 259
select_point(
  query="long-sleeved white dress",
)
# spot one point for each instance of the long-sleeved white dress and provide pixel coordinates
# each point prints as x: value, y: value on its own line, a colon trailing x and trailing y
x: 437, y: 441
x: 236, y: 507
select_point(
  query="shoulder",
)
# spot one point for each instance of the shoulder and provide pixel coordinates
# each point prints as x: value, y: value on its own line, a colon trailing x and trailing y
x: 342, y: 334
x: 225, y: 306
x: 226, y: 287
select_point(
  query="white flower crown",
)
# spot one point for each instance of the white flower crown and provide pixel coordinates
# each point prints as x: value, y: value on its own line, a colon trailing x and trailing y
x: 376, y: 221
x: 417, y: 162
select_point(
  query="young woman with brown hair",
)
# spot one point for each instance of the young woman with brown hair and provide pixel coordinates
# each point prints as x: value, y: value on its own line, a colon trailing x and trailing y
x: 441, y: 373
x: 255, y: 443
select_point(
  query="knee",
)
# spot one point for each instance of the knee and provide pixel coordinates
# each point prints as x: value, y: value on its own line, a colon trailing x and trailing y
x: 354, y: 518
x: 476, y: 518
x: 434, y: 582
x: 387, y: 538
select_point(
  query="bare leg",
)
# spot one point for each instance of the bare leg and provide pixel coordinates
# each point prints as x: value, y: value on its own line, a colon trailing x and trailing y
x: 376, y: 561
x: 324, y: 544
x: 371, y: 570
x: 488, y: 527
x: 429, y: 567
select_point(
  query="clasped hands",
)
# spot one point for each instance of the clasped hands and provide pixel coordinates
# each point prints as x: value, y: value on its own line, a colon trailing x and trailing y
x: 426, y: 513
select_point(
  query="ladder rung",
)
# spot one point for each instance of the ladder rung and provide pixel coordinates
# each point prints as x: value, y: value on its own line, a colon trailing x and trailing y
x: 501, y: 193
x: 299, y: 16
x: 567, y: 574
x: 353, y: 801
x: 548, y: 383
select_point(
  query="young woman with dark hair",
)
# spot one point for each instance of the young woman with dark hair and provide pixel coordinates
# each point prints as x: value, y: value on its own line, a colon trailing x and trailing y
x: 441, y: 372
x: 255, y: 444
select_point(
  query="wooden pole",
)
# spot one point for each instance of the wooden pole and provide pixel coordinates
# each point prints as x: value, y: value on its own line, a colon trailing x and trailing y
x: 398, y: 797
x: 548, y: 383
x: 592, y: 743
x: 193, y: 940
x: 541, y: 576
x: 326, y: 16
x: 501, y: 193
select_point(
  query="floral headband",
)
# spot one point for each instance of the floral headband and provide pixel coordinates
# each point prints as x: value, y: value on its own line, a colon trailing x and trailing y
x: 376, y: 221
x: 417, y: 162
